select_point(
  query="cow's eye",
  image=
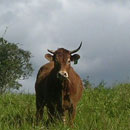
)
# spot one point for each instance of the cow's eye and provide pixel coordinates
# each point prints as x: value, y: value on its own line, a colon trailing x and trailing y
x: 68, y: 61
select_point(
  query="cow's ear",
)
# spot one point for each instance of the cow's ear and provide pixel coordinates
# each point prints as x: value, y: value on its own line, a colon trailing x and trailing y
x: 75, y: 58
x: 49, y: 57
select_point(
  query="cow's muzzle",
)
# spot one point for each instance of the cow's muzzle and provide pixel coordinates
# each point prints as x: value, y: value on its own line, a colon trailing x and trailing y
x: 63, y: 74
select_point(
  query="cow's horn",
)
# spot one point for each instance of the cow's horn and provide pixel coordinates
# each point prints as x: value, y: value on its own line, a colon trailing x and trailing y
x: 51, y: 51
x: 71, y: 52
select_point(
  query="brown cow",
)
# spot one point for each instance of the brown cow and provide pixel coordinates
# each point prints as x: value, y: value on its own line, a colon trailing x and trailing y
x: 58, y: 86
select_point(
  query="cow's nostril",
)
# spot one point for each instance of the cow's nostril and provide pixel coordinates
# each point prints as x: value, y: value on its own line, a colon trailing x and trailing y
x: 64, y: 74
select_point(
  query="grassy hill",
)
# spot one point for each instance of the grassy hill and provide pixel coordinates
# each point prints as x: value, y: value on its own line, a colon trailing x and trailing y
x: 99, y: 109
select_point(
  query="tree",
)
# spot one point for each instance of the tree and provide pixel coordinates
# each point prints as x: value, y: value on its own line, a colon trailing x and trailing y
x: 87, y: 83
x: 14, y: 65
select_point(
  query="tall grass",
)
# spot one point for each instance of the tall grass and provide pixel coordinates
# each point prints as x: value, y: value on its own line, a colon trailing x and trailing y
x: 99, y: 109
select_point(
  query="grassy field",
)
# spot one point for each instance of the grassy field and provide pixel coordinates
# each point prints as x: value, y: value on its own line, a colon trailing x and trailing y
x: 99, y: 109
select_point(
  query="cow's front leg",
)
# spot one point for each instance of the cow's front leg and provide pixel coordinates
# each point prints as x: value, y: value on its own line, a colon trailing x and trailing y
x: 72, y: 113
x: 51, y: 113
x: 64, y: 118
x: 39, y: 110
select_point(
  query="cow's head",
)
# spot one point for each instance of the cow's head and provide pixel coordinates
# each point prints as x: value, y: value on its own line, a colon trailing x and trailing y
x: 62, y: 59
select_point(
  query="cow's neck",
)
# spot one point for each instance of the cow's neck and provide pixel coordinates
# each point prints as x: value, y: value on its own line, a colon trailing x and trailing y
x: 63, y: 90
x: 63, y: 84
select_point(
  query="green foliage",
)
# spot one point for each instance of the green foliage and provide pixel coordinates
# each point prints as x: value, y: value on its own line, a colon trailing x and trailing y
x: 99, y: 109
x: 14, y: 65
x: 87, y: 83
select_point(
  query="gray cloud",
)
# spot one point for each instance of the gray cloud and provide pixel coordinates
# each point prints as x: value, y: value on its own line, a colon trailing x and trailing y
x: 102, y: 26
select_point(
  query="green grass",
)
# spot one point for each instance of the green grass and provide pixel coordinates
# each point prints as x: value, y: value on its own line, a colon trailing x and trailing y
x: 99, y: 109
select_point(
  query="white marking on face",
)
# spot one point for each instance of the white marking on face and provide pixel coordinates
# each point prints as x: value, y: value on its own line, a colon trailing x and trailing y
x: 64, y: 74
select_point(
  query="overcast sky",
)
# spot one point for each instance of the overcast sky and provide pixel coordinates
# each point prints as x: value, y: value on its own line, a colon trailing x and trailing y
x: 102, y: 25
